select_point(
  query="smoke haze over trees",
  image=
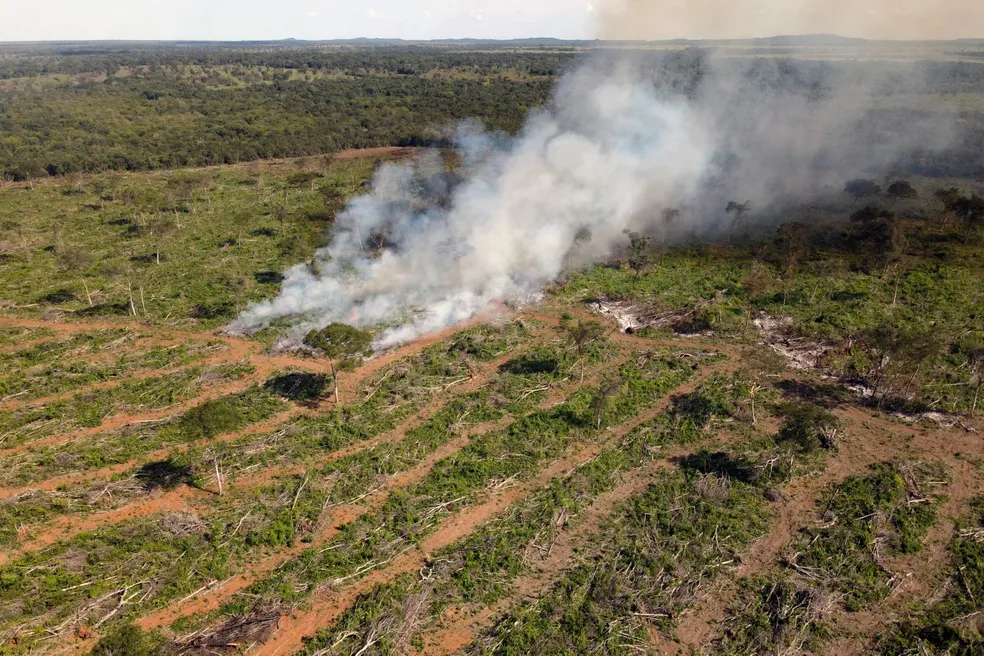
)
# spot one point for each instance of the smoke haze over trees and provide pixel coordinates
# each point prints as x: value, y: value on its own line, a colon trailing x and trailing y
x: 626, y: 136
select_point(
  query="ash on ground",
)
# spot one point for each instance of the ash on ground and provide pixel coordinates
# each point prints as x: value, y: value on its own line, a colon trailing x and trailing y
x: 806, y: 355
x: 632, y: 317
x: 800, y: 353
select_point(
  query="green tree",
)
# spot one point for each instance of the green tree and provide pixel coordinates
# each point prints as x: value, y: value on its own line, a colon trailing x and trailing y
x: 670, y: 216
x: 970, y: 210
x: 602, y: 398
x: 948, y: 197
x: 895, y: 351
x: 972, y: 348
x: 740, y: 210
x: 793, y: 241
x: 339, y: 341
x: 879, y: 231
x: 159, y: 228
x: 582, y: 236
x: 902, y: 190
x: 77, y: 261
x: 639, y: 251
x: 206, y: 421
x: 581, y: 335
x: 861, y: 188
x: 129, y: 640
x: 333, y: 196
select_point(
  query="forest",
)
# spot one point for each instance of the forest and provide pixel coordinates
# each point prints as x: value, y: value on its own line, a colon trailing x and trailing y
x: 77, y: 110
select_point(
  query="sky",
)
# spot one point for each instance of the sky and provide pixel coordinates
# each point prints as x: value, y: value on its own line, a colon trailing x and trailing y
x: 299, y: 19
x: 489, y: 19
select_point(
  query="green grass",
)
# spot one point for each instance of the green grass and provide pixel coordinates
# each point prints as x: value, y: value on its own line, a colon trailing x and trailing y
x: 481, y: 567
x: 89, y: 409
x: 14, y: 335
x: 242, y: 525
x: 410, y: 514
x: 38, y: 372
x: 657, y: 549
x: 772, y: 616
x: 950, y: 624
x: 832, y: 291
x: 886, y: 512
x: 234, y: 231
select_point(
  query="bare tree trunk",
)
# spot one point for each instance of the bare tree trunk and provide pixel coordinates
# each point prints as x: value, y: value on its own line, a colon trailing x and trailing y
x: 218, y: 473
x: 158, y: 252
x: 977, y: 396
x: 88, y: 296
x: 334, y: 378
x: 912, y: 379
x: 129, y: 291
x: 143, y: 303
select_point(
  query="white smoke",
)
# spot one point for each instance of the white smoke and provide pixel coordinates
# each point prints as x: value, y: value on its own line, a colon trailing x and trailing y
x: 619, y: 143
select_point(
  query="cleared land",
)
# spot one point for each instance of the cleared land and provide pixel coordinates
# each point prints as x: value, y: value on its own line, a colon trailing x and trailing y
x: 785, y: 454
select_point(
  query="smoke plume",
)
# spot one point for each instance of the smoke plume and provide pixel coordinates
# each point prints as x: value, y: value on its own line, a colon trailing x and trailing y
x: 626, y: 136
x: 736, y: 19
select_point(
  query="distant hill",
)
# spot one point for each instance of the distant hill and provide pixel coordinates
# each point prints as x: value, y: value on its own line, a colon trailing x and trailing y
x: 781, y: 41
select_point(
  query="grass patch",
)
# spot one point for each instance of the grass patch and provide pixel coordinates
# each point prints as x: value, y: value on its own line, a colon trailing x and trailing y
x: 886, y: 512
x: 103, y: 450
x: 952, y: 624
x: 659, y: 548
x: 774, y: 616
x: 89, y: 409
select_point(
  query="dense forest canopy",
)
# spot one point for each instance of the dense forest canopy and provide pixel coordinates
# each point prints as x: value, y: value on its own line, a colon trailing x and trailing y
x: 67, y: 108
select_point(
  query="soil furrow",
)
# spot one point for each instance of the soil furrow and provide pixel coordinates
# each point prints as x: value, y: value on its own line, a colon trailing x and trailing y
x: 563, y: 551
x: 108, y: 472
x: 140, y: 374
x: 292, y: 630
x: 217, y: 596
x: 870, y: 439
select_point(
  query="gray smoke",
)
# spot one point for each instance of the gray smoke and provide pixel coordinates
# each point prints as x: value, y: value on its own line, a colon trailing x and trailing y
x: 626, y: 136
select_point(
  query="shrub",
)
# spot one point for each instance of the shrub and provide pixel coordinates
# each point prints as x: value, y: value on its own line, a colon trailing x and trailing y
x: 808, y: 428
x: 210, y: 419
x: 129, y: 640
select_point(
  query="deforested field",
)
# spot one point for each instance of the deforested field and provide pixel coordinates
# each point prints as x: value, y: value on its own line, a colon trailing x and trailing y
x: 768, y: 443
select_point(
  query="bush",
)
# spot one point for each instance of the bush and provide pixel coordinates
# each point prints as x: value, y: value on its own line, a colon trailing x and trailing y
x: 129, y: 640
x: 808, y: 427
x: 210, y: 419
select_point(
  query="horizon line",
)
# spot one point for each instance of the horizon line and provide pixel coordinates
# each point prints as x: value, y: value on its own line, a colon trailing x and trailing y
x: 680, y: 40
